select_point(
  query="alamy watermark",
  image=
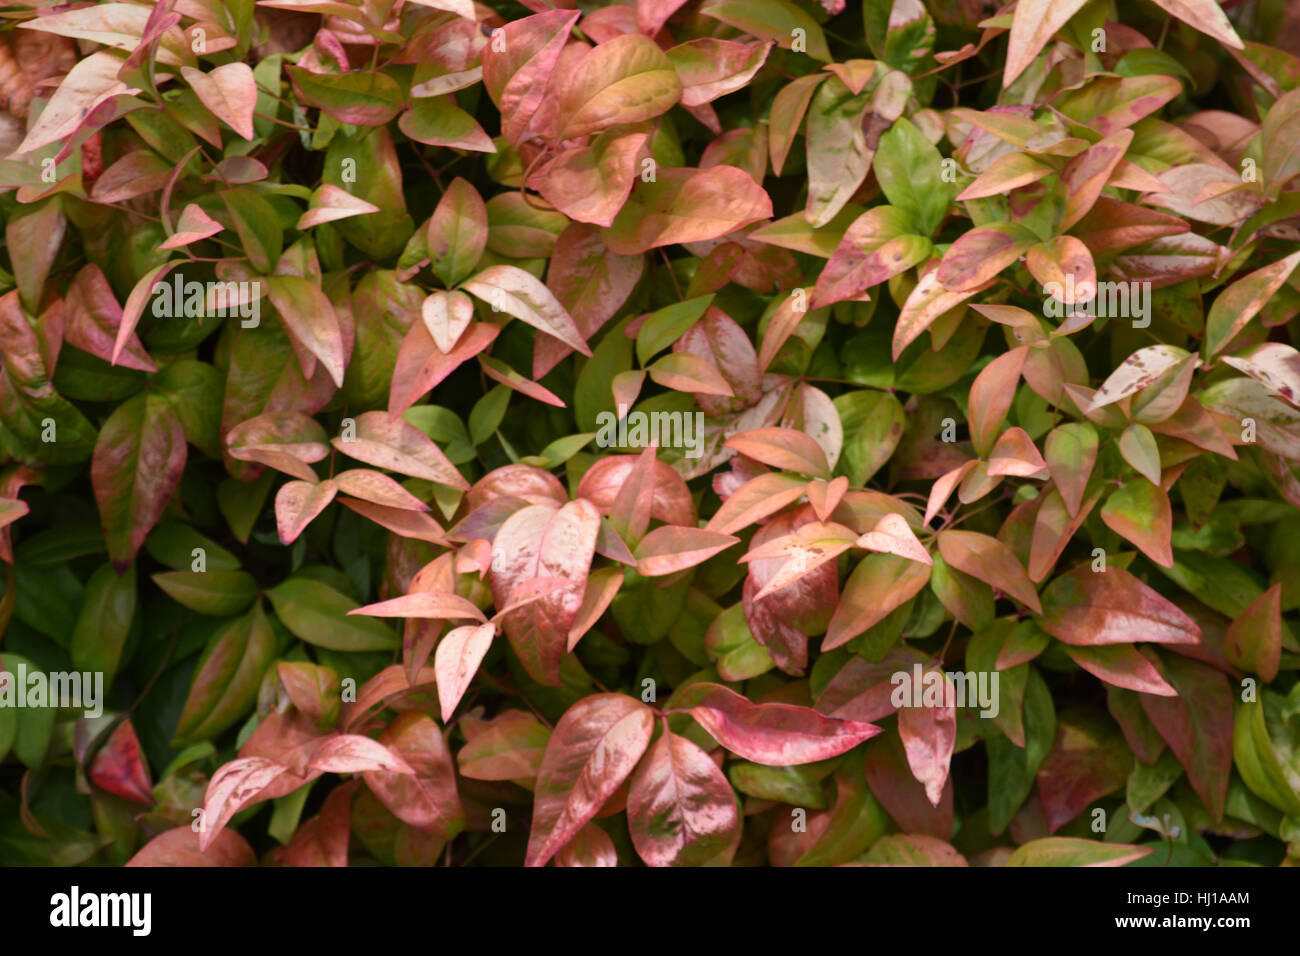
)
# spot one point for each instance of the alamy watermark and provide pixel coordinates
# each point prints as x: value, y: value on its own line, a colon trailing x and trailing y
x: 1124, y: 300
x: 56, y: 689
x: 132, y: 910
x: 936, y: 688
x: 642, y: 429
x: 192, y: 299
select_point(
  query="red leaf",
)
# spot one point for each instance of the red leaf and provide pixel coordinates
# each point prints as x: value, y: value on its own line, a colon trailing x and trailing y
x: 458, y: 656
x: 777, y: 735
x: 1088, y: 760
x: 669, y: 549
x: 180, y: 847
x: 1122, y: 665
x: 991, y: 561
x: 119, y: 767
x: 592, y: 750
x: 879, y: 584
x: 544, y: 541
x: 590, y: 846
x: 755, y: 500
x: 1197, y: 725
x: 426, y: 796
x: 399, y: 446
x: 1112, y: 607
x: 783, y: 448
x: 928, y: 734
x: 681, y: 810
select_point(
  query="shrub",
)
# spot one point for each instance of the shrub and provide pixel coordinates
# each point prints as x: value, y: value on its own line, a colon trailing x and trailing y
x: 683, y: 433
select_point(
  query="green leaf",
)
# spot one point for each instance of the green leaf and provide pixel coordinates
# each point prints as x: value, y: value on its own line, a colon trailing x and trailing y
x: 665, y: 326
x: 318, y: 614
x: 107, y: 610
x: 227, y: 678
x: 910, y: 169
x: 219, y: 593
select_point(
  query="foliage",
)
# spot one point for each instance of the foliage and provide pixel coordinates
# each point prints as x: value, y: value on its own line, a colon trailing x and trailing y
x: 330, y: 339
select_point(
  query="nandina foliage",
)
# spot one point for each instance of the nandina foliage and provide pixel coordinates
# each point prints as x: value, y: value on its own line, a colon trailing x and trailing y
x: 332, y: 337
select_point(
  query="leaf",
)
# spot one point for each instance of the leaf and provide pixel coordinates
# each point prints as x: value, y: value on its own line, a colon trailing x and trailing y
x: 1071, y: 451
x: 516, y: 73
x: 803, y: 551
x: 1254, y: 638
x: 1034, y: 24
x: 89, y: 83
x: 104, y: 622
x: 1274, y: 364
x: 458, y: 656
x: 297, y: 503
x: 215, y: 592
x: 1198, y: 726
x: 1207, y: 16
x: 180, y: 847
x: 1136, y: 372
x: 1015, y: 454
x: 771, y: 20
x: 512, y: 290
x: 233, y: 787
x: 909, y: 170
x: 309, y: 317
x: 226, y: 679
x: 427, y: 798
x: 686, y: 205
x: 681, y: 810
x: 591, y: 183
x: 980, y: 254
x: 433, y: 605
x: 624, y: 80
x: 194, y: 225
x: 318, y: 614
x: 755, y: 500
x: 663, y: 327
x: 229, y: 91
x: 893, y: 535
x: 289, y: 441
x: 786, y: 118
x: 669, y: 549
x: 991, y: 395
x: 399, y: 446
x: 1122, y: 665
x: 549, y: 542
x: 592, y: 750
x: 1084, y: 176
x: 879, y: 584
x: 684, y: 372
x: 783, y: 448
x: 591, y: 846
x: 438, y: 121
x: 139, y: 456
x: 709, y: 68
x: 1111, y: 607
x: 928, y: 734
x: 359, y: 98
x: 1073, y: 851
x: 1139, y: 511
x: 329, y: 203
x: 838, y: 154
x: 774, y: 734
x: 875, y: 248
x: 1240, y: 302
x: 510, y: 746
x: 991, y: 561
x: 1089, y: 759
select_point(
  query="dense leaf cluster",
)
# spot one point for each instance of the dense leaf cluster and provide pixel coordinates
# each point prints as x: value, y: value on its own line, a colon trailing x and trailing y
x: 670, y: 432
